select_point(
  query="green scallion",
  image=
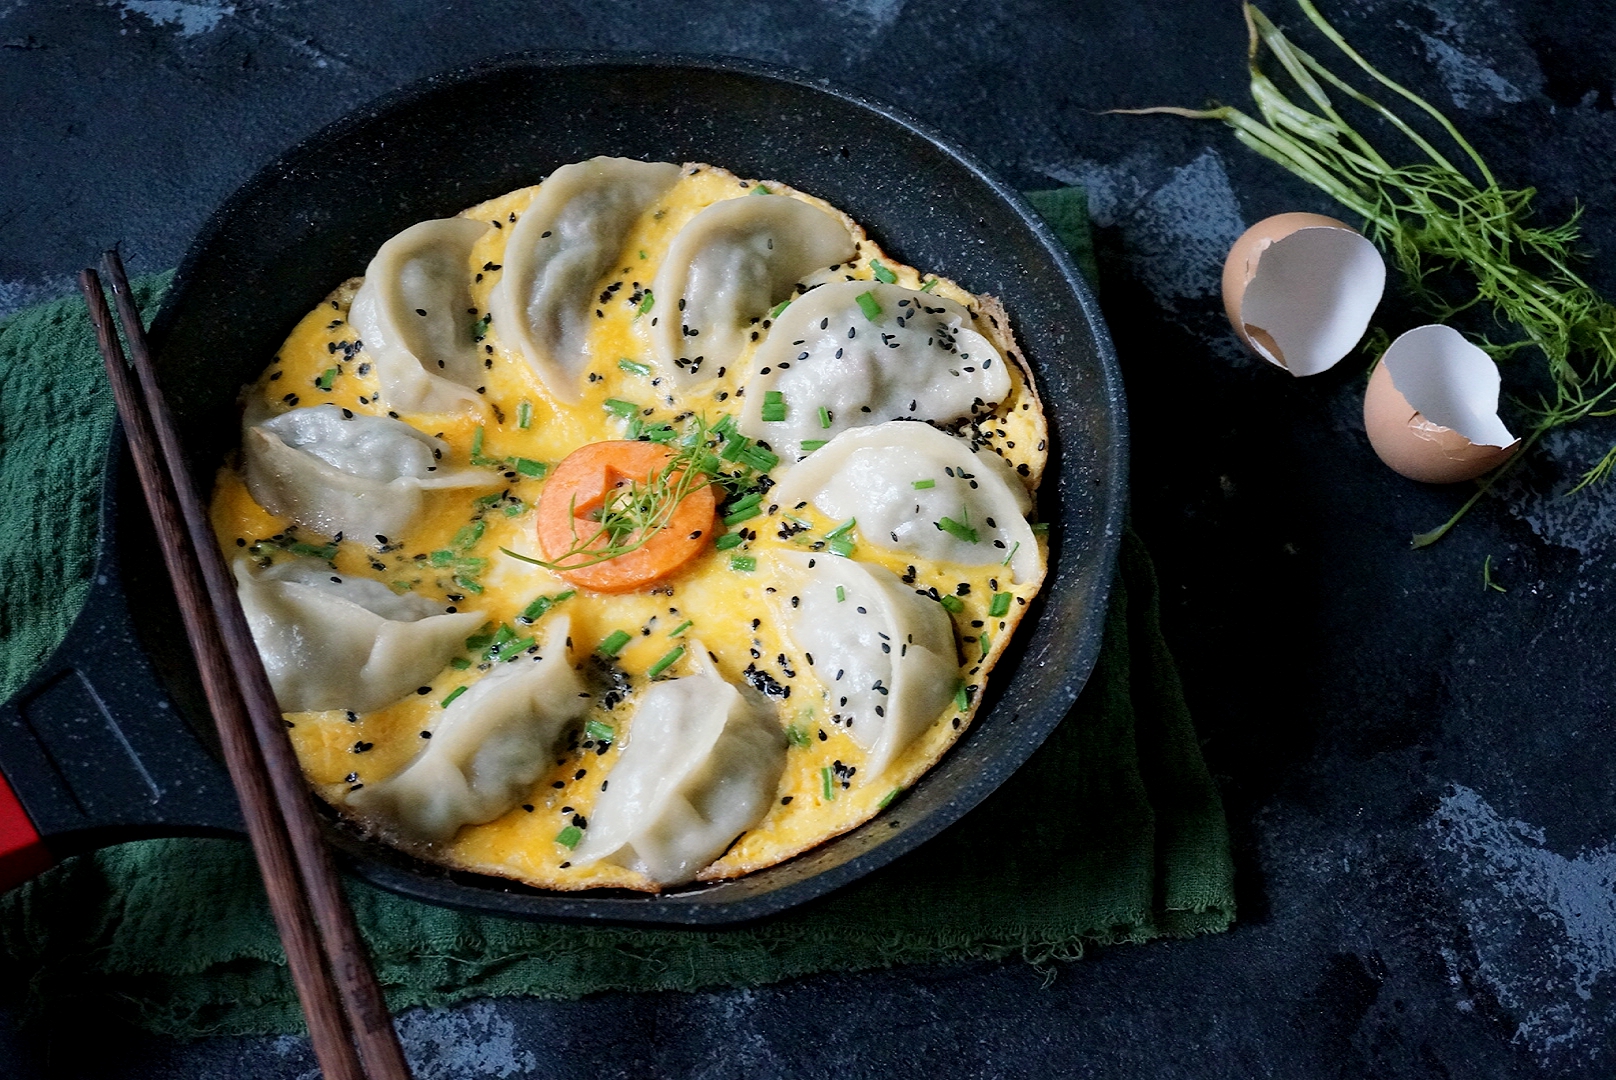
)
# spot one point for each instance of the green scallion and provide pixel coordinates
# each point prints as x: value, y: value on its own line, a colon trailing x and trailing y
x: 841, y: 595
x: 1013, y: 549
x: 614, y: 642
x: 882, y: 274
x: 743, y: 564
x: 922, y: 485
x: 1000, y: 607
x: 634, y: 367
x: 778, y: 308
x: 841, y: 546
x: 798, y: 736
x: 827, y: 784
x: 774, y: 407
x: 645, y: 304
x: 524, y: 414
x: 529, y: 467
x: 599, y: 731
x: 460, y: 663
x: 728, y: 541
x: 620, y: 408
x: 962, y: 696
x: 326, y: 378
x: 869, y: 305
x: 468, y: 535
x: 952, y: 603
x: 326, y: 552
x: 758, y: 458
x: 842, y: 530
x: 746, y: 501
x: 667, y: 660
x: 1039, y: 527
x: 542, y: 605
x: 929, y: 286
x: 681, y: 628
x: 886, y: 800
x: 569, y: 837
x: 442, y: 557
x: 986, y: 643
x: 810, y: 445
x: 477, y: 442
x: 479, y: 329
x: 824, y: 417
x: 456, y: 692
x: 959, y: 531
x: 760, y: 190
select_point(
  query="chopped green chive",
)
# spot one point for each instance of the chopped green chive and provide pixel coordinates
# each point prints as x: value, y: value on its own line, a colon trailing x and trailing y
x: 929, y: 286
x: 810, y: 445
x: 758, y: 458
x: 1014, y: 548
x: 483, y: 502
x: 326, y: 552
x: 569, y: 837
x: 614, y: 642
x: 460, y: 663
x: 962, y: 696
x: 882, y: 274
x: 868, y: 304
x: 778, y: 308
x: 529, y: 467
x: 824, y: 417
x: 841, y: 595
x: 744, y: 564
x: 477, y: 442
x: 620, y: 408
x: 841, y: 546
x: 842, y: 530
x: 827, y: 785
x: 456, y: 692
x: 748, y: 500
x: 1000, y: 607
x: 326, y: 378
x: 1040, y: 527
x: 746, y: 513
x: 479, y: 329
x: 681, y: 628
x: 667, y: 660
x: 886, y: 800
x: 634, y: 367
x: 467, y: 583
x: 798, y: 737
x: 643, y: 255
x: 729, y: 540
x: 442, y: 557
x: 922, y: 485
x: 760, y: 190
x: 524, y: 414
x: 481, y: 640
x: 542, y: 605
x: 959, y: 531
x: 468, y: 535
x: 725, y: 426
x: 774, y: 406
x: 516, y: 509
x: 986, y: 643
x: 647, y: 303
x: 952, y: 603
x: 599, y: 731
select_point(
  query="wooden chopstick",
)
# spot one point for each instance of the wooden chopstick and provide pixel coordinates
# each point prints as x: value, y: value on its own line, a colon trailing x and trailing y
x: 327, y: 957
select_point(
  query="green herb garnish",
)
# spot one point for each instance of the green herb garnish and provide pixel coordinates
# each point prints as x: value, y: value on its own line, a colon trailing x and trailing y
x: 442, y: 557
x: 529, y: 467
x: 614, y: 642
x: 1487, y: 581
x: 842, y: 530
x: 743, y: 564
x: 681, y: 628
x: 467, y: 537
x: 469, y: 584
x: 1000, y: 607
x: 929, y: 286
x: 959, y: 530
x: 827, y: 784
x: 460, y: 663
x: 922, y: 485
x: 326, y: 378
x: 667, y: 660
x: 869, y: 305
x: 524, y: 414
x: 1013, y: 549
x: 810, y: 445
x: 634, y: 367
x: 841, y: 594
x: 599, y: 731
x: 325, y: 551
x: 798, y: 737
x: 882, y: 274
x: 760, y: 190
x: 541, y: 605
x: 778, y: 308
x: 962, y: 696
x: 456, y: 692
x: 479, y: 329
x: 728, y: 541
x: 620, y: 408
x: 647, y: 302
x: 886, y: 800
x: 774, y: 407
x: 952, y: 603
x: 569, y: 837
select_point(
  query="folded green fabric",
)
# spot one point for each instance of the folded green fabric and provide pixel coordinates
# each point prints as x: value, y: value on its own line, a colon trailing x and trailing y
x: 1112, y: 832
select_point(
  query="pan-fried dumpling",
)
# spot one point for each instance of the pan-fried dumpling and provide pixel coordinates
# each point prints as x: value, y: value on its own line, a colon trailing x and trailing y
x: 902, y: 480
x: 336, y: 471
x: 701, y: 765
x: 884, y: 653
x: 487, y: 748
x: 333, y: 641
x: 897, y: 354
x: 727, y: 268
x: 414, y: 314
x: 569, y: 236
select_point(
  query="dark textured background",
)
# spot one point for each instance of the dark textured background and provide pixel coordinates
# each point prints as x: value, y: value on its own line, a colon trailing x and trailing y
x: 1419, y: 772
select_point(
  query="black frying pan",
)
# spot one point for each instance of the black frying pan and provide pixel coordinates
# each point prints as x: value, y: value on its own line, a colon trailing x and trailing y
x: 111, y: 741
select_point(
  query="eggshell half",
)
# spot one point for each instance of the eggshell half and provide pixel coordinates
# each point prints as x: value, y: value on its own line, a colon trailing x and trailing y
x: 1300, y: 290
x: 1431, y: 409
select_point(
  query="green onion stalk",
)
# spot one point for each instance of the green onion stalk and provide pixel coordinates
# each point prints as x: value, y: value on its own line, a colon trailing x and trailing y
x: 1437, y: 220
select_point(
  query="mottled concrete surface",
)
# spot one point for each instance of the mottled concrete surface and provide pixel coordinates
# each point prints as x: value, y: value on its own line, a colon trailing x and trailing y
x: 1419, y: 771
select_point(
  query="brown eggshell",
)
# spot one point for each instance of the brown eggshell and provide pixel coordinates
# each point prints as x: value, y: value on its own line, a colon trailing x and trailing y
x: 1416, y: 447
x: 1362, y: 268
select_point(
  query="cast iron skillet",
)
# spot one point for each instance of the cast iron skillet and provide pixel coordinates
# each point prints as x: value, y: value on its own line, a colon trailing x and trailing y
x: 102, y: 755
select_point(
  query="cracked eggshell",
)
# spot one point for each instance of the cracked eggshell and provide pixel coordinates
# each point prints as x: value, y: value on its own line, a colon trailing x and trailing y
x: 1300, y: 290
x: 1431, y: 409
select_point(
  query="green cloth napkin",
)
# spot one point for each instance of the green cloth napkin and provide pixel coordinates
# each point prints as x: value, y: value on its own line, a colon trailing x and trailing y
x: 1112, y: 832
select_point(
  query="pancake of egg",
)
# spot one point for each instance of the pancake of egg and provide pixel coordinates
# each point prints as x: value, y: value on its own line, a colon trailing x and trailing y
x: 453, y: 555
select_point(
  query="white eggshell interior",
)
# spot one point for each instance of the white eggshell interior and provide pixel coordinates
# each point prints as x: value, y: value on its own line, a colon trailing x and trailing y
x: 1449, y: 381
x: 1313, y: 295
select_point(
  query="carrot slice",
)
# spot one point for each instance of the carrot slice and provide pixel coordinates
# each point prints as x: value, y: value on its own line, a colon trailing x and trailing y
x: 572, y: 499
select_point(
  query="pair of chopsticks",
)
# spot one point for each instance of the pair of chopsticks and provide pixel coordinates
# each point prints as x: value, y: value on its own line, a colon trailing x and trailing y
x: 349, y: 1025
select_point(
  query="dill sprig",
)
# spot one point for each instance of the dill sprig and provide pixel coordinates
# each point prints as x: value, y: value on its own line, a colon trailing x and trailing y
x: 1436, y: 220
x: 634, y: 512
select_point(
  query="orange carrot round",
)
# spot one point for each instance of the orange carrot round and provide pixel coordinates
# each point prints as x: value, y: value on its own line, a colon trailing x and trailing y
x: 570, y: 508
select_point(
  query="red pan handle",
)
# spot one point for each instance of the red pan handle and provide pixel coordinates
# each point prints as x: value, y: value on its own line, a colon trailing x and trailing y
x: 23, y: 854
